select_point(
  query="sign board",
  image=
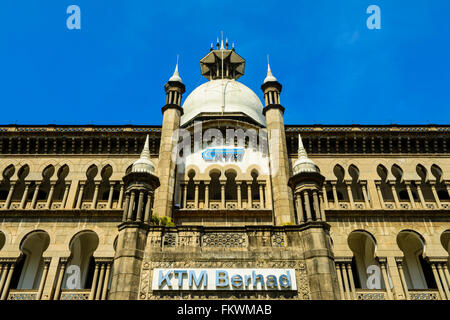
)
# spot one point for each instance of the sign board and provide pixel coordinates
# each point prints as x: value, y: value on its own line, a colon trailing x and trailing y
x: 224, y: 279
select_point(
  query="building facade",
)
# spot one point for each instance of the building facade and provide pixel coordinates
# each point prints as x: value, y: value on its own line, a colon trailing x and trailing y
x: 224, y: 201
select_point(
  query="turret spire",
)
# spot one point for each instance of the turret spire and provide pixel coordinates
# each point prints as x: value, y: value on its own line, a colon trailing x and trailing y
x: 269, y: 76
x: 144, y: 164
x: 303, y: 163
x: 176, y: 75
x: 301, y: 149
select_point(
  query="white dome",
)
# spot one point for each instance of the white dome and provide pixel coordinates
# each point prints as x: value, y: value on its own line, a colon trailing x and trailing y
x: 210, y: 98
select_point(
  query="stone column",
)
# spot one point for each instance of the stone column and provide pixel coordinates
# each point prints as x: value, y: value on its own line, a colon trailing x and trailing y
x: 66, y: 194
x: 5, y: 292
x: 384, y: 273
x: 352, y: 282
x: 325, y: 196
x: 319, y: 261
x: 110, y: 195
x: 50, y: 196
x: 335, y: 196
x: 436, y: 196
x: 94, y: 199
x: 374, y: 195
x: 316, y: 206
x: 350, y: 195
x: 438, y: 281
x: 283, y: 204
x: 222, y: 194
x: 261, y: 196
x: 120, y: 201
x: 419, y: 191
x: 126, y: 207
x: 239, y: 195
x: 196, y: 187
x: 402, y: 278
x: 80, y: 196
x: 307, y: 206
x: 380, y: 194
x: 24, y: 196
x: 394, y: 193
x: 410, y: 195
x: 446, y: 273
x: 94, y: 282
x: 106, y: 281
x: 365, y: 195
x: 184, y: 195
x: 131, y: 206
x: 140, y: 212
x: 148, y: 206
x: 61, y: 272
x: 249, y: 196
x: 268, y: 195
x: 128, y: 261
x: 35, y: 194
x: 100, y: 282
x: 10, y: 194
x: 43, y: 279
x: 206, y: 195
x: 4, y: 267
x: 339, y: 275
x: 298, y: 202
x: 444, y: 282
x: 163, y: 202
x: 346, y: 283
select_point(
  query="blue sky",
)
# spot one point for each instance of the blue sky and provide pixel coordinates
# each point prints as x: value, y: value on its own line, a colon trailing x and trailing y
x: 334, y: 70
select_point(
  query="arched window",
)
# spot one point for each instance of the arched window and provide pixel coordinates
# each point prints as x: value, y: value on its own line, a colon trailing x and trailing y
x: 28, y: 271
x: 82, y: 247
x: 2, y: 240
x: 105, y: 184
x: 20, y: 184
x: 386, y: 190
x: 191, y: 185
x: 356, y: 188
x: 60, y: 185
x: 214, y: 186
x: 230, y: 186
x: 441, y: 188
x: 341, y: 187
x: 5, y: 183
x: 417, y: 271
x: 255, y: 185
x: 363, y: 246
x: 89, y: 188
x: 424, y: 183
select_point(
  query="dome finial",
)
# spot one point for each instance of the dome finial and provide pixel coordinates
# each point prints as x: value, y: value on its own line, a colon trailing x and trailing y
x: 221, y: 42
x: 269, y: 76
x: 144, y: 164
x: 176, y: 75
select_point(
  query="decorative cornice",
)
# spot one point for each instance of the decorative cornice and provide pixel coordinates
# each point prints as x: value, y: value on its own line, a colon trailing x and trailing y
x: 273, y: 106
x: 172, y: 106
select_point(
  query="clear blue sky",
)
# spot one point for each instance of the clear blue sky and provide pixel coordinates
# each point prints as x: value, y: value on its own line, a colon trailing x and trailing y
x: 334, y: 70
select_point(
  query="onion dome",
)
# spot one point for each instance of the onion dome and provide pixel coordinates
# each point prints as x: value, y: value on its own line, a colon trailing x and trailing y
x: 144, y: 164
x: 303, y: 163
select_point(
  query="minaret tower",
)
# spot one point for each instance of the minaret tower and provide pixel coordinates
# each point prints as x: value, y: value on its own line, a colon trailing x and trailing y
x: 279, y: 163
x: 140, y: 184
x: 172, y: 113
x: 306, y: 184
